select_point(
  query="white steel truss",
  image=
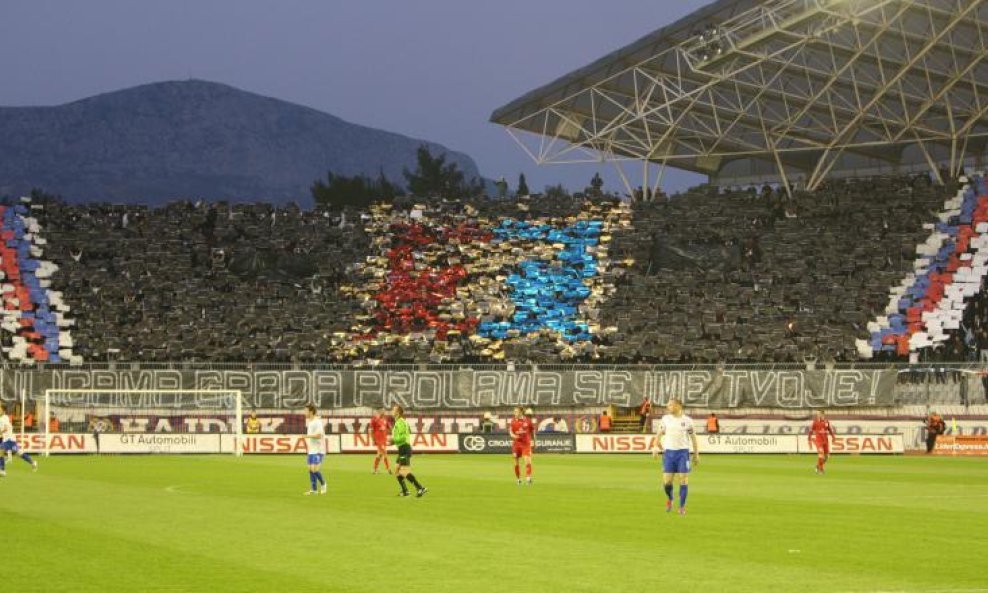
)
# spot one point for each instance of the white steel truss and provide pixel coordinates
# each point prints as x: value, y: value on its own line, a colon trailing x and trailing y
x: 795, y: 82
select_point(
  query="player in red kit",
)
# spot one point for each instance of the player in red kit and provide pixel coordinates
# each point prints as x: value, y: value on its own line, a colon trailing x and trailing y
x: 821, y: 433
x: 380, y: 428
x: 521, y: 430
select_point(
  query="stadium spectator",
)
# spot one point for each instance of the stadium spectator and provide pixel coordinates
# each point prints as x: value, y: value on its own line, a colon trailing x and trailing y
x: 935, y: 426
x: 29, y: 421
x: 644, y: 409
x: 96, y: 426
x: 556, y: 424
x: 253, y: 424
x: 488, y: 425
x: 54, y: 425
x: 713, y: 424
x: 604, y: 424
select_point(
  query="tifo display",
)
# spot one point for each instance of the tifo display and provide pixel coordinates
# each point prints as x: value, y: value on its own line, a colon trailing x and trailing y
x: 730, y: 277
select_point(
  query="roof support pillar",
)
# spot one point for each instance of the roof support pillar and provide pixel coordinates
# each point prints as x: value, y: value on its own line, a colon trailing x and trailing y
x: 929, y: 160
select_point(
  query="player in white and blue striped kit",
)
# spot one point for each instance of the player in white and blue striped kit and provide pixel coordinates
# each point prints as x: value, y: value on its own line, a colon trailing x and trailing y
x: 673, y: 441
x: 7, y: 443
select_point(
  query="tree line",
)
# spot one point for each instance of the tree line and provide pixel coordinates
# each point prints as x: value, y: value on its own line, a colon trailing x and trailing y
x: 432, y: 177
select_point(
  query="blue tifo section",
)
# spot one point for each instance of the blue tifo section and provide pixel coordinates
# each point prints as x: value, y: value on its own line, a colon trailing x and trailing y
x: 547, y: 294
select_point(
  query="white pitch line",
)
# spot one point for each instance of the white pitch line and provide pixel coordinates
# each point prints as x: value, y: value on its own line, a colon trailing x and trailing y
x: 908, y: 497
x: 923, y: 591
x: 173, y: 489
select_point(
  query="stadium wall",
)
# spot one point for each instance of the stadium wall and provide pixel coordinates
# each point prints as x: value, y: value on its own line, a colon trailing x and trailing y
x: 217, y: 443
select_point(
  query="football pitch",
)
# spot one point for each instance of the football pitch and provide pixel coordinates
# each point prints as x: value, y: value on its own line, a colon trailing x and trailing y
x: 590, y: 523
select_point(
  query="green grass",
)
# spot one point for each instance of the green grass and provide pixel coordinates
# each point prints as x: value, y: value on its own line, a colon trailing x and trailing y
x: 591, y: 523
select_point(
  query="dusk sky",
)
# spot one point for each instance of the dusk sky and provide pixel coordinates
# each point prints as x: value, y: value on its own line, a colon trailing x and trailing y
x: 433, y: 69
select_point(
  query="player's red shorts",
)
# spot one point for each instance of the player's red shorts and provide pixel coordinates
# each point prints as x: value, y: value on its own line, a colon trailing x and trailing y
x: 822, y: 446
x: 521, y: 449
x: 381, y: 442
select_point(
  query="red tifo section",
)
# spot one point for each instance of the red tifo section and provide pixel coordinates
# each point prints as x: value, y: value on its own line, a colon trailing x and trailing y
x: 414, y: 290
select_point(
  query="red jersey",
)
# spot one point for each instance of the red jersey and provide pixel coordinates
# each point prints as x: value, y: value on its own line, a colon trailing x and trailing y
x: 380, y: 427
x: 522, y: 429
x: 820, y: 429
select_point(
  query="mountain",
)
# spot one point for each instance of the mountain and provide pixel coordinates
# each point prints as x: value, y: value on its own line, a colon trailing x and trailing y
x: 191, y: 139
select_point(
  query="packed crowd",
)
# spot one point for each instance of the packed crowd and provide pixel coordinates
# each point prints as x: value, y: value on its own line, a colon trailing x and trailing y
x: 756, y: 276
x: 203, y: 282
x: 703, y: 276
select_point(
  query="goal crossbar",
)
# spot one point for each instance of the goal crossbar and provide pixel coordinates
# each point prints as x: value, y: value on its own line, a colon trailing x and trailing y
x: 237, y: 408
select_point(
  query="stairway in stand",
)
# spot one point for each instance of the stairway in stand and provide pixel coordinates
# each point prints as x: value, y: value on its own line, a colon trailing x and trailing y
x: 625, y: 420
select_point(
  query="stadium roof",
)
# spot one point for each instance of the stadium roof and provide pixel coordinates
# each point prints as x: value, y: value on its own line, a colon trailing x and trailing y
x: 800, y: 83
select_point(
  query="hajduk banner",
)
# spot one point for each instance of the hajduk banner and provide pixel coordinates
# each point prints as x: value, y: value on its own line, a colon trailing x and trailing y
x: 467, y: 389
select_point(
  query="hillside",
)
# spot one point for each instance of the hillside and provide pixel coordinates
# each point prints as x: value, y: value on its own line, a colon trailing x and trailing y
x: 190, y: 139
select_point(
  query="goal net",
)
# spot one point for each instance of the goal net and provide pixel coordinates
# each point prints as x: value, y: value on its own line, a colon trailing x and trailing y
x: 142, y: 421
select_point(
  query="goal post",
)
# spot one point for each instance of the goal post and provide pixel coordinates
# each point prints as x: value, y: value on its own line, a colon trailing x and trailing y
x: 142, y: 421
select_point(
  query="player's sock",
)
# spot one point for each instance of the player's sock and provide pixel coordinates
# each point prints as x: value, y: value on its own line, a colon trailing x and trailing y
x: 26, y: 457
x: 517, y: 471
x: 401, y: 482
x: 668, y: 489
x: 411, y: 478
x: 387, y: 464
x: 312, y: 479
x: 683, y: 491
x: 319, y: 477
x: 3, y: 462
x: 377, y: 461
x: 528, y: 470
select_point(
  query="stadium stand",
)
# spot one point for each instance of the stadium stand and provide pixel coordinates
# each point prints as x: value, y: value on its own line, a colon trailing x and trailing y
x: 197, y: 282
x: 706, y: 276
x: 752, y: 276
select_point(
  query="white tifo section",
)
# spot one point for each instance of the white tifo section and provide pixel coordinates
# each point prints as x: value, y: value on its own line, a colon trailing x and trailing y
x: 88, y: 404
x: 949, y: 312
x: 742, y: 443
